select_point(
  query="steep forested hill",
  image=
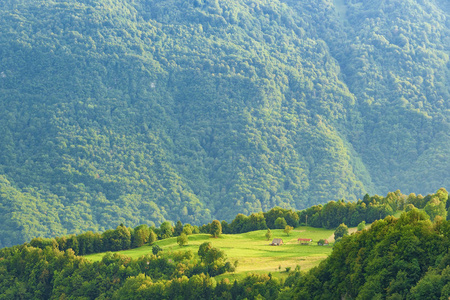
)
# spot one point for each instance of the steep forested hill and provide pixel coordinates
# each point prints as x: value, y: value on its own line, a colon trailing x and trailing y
x: 139, y: 111
x: 404, y: 258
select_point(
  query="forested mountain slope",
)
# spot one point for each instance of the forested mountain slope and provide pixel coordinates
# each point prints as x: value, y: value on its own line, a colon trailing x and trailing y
x: 143, y: 111
x: 404, y: 258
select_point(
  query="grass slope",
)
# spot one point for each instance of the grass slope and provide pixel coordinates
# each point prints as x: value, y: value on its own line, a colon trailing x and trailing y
x: 251, y: 249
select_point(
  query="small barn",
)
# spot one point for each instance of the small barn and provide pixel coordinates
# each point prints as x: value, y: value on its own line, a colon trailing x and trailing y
x: 277, y: 242
x: 305, y: 241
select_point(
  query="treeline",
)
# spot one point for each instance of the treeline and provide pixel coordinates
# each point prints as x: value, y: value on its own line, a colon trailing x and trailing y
x: 329, y: 216
x: 404, y: 258
x: 405, y: 247
x: 27, y: 272
x: 333, y: 213
x: 372, y: 208
x: 121, y: 238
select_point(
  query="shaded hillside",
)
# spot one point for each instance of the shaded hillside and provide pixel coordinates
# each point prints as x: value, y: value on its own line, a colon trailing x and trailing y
x: 405, y: 258
x: 143, y: 111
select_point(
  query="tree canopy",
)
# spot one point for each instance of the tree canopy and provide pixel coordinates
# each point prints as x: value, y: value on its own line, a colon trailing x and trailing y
x: 141, y: 112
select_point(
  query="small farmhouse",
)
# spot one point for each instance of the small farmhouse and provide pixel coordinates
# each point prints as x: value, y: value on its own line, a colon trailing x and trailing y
x: 305, y: 241
x: 277, y: 242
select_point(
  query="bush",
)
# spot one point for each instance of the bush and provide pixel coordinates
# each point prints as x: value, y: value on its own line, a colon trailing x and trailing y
x: 156, y: 249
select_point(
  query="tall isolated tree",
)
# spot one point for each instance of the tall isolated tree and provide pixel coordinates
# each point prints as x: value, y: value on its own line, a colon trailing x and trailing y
x: 182, y: 239
x: 288, y: 229
x: 216, y: 228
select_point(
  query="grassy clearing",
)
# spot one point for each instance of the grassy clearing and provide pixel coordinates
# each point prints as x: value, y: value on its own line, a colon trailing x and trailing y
x: 253, y: 252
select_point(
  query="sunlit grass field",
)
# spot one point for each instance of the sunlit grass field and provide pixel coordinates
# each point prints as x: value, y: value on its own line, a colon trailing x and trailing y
x: 252, y: 250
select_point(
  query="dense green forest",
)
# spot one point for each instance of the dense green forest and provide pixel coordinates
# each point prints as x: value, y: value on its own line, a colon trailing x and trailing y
x: 137, y: 112
x: 328, y: 216
x: 404, y: 258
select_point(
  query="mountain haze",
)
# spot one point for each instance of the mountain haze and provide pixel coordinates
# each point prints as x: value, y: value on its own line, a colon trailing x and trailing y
x: 137, y: 112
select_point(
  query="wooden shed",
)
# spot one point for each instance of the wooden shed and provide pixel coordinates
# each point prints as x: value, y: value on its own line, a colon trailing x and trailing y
x: 304, y: 241
x: 277, y: 242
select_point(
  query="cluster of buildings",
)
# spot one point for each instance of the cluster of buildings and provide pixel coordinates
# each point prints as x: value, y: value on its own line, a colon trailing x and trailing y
x: 278, y: 242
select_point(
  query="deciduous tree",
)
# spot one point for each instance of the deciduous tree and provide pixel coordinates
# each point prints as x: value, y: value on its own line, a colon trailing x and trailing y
x: 182, y: 239
x: 280, y: 223
x: 288, y: 229
x: 152, y: 237
x: 216, y: 228
x: 361, y: 226
x: 156, y: 249
x: 166, y: 230
x: 340, y: 231
x: 203, y: 249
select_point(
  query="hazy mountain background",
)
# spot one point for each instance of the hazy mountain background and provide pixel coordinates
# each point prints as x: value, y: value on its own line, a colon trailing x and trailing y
x: 140, y: 111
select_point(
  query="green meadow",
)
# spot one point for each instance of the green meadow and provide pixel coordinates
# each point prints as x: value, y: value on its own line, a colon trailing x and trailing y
x: 252, y: 250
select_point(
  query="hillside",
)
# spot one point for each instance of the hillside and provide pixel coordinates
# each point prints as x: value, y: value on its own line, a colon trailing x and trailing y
x: 404, y: 258
x: 137, y: 112
x: 252, y: 250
